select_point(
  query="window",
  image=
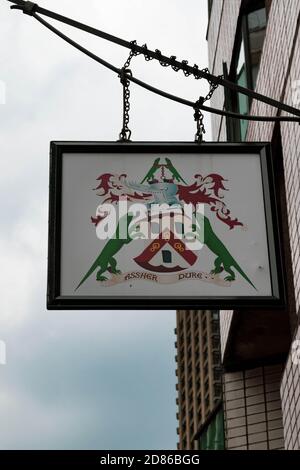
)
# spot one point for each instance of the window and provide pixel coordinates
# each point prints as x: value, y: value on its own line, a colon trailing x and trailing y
x: 212, y: 437
x: 218, y: 390
x: 215, y: 315
x: 216, y: 358
x: 215, y: 327
x: 257, y: 25
x: 217, y: 373
x: 241, y: 79
x: 210, y: 4
x: 246, y: 61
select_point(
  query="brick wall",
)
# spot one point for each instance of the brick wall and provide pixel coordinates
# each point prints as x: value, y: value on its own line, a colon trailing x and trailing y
x: 253, y: 409
x: 278, y: 76
x: 281, y: 59
x: 221, y: 36
x: 290, y: 394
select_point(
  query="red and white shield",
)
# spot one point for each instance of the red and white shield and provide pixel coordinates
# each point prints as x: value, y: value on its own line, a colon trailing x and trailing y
x: 167, y: 252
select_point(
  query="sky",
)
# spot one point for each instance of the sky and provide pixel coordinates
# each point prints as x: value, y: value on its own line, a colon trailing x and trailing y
x: 96, y: 379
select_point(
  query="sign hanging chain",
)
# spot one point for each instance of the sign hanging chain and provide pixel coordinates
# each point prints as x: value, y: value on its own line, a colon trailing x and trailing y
x: 199, y: 118
x: 125, y: 133
x: 198, y: 115
x: 126, y: 72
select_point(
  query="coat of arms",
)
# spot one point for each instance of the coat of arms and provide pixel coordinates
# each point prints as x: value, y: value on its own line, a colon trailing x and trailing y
x: 168, y: 255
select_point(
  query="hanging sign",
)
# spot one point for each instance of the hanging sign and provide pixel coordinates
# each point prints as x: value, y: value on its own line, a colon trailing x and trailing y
x: 162, y: 225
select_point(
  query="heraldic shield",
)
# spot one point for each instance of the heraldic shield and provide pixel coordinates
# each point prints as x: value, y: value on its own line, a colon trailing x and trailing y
x: 176, y: 225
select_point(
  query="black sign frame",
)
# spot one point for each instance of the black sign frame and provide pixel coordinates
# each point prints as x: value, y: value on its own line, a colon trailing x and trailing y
x: 55, y: 301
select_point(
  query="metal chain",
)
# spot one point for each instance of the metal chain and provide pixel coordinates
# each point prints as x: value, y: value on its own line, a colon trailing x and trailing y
x: 35, y: 11
x: 213, y: 86
x: 125, y: 133
x: 133, y: 53
x: 196, y: 71
x: 199, y: 118
x: 198, y: 115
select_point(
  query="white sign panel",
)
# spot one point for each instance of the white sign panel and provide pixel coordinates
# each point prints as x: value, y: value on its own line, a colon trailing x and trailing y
x: 161, y: 226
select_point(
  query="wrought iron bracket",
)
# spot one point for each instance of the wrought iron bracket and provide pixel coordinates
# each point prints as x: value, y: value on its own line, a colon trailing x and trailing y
x: 32, y: 9
x: 28, y: 8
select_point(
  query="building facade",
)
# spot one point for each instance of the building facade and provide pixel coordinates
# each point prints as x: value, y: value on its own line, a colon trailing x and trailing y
x: 256, y: 44
x: 199, y: 376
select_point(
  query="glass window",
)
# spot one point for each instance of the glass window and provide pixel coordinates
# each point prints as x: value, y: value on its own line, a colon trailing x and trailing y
x: 215, y: 315
x: 241, y: 79
x: 212, y: 437
x: 257, y: 24
x: 249, y: 51
x: 210, y: 3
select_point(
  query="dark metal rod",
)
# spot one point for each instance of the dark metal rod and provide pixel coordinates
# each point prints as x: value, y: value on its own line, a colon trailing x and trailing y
x: 183, y: 66
x: 157, y: 90
x: 75, y: 44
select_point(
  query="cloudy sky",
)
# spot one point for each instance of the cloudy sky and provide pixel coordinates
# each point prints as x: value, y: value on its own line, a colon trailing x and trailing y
x: 83, y: 380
